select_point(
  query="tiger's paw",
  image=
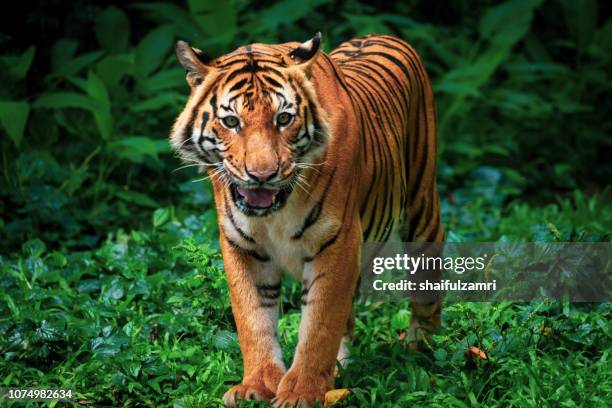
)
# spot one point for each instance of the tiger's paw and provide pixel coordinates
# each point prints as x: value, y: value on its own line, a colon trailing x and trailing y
x: 299, y: 390
x: 246, y: 392
x: 259, y: 386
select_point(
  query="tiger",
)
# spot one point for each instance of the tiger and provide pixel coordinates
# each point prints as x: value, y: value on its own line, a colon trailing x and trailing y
x: 309, y: 154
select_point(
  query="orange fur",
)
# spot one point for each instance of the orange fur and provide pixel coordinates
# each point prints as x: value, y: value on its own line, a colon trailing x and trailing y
x: 357, y: 162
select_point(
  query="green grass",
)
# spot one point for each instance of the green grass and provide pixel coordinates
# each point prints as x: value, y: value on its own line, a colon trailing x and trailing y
x: 144, y: 320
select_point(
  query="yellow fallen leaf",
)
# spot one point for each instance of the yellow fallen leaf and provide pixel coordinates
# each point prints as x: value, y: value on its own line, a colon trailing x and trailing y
x: 333, y: 396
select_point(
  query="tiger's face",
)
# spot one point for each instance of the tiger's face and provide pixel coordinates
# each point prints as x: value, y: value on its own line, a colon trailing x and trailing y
x: 252, y: 120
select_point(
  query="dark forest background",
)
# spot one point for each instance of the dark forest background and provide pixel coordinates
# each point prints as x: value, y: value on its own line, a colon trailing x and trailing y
x: 110, y: 276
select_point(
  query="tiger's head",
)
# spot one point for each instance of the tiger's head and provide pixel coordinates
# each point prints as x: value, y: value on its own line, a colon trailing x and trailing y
x: 252, y: 120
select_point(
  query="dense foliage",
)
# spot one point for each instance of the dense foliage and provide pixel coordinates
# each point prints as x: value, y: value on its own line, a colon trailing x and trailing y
x: 110, y: 276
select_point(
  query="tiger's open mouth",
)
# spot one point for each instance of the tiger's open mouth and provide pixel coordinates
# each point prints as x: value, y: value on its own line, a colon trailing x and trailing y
x: 259, y: 201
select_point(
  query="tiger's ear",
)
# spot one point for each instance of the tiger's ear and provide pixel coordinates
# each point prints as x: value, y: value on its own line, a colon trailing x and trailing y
x: 194, y: 61
x: 306, y: 54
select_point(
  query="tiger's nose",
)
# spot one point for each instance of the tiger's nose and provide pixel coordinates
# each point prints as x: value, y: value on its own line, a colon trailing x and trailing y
x: 262, y: 175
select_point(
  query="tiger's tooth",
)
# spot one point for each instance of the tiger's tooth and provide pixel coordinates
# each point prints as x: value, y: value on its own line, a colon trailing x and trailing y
x: 274, y: 199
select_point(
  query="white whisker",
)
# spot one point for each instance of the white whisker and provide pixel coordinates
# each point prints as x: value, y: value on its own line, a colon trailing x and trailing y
x: 183, y: 143
x: 186, y: 166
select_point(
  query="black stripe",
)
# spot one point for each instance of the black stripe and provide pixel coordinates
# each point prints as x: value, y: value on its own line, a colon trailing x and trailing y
x: 269, y: 294
x: 205, y: 117
x: 323, y: 247
x: 318, y: 137
x: 388, y: 56
x: 385, y: 153
x: 380, y: 159
x: 194, y: 114
x: 230, y: 215
x: 238, y: 85
x: 298, y: 97
x: 211, y: 140
x: 213, y: 104
x: 306, y: 290
x: 271, y: 81
x: 265, y: 286
x: 252, y: 68
x: 228, y: 65
x: 250, y: 252
x: 315, y: 212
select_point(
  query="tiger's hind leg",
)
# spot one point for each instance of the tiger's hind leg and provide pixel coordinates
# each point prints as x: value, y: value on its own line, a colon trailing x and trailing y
x: 427, y: 307
x: 424, y: 321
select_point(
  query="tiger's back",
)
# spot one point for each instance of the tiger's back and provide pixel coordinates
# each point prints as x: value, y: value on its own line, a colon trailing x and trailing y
x: 393, y: 100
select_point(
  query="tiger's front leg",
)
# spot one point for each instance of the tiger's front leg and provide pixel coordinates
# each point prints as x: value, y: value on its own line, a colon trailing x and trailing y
x: 254, y: 293
x: 330, y: 279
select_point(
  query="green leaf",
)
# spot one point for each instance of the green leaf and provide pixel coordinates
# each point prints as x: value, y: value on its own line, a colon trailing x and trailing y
x: 473, y: 73
x: 161, y: 216
x: 113, y: 68
x: 113, y: 30
x: 440, y: 354
x: 104, y: 122
x: 48, y: 332
x: 401, y: 320
x: 166, y: 12
x: 604, y: 37
x: 75, y: 65
x: 34, y: 248
x: 581, y: 19
x: 13, y: 117
x: 282, y: 12
x: 60, y: 100
x: 63, y: 50
x: 137, y: 198
x: 166, y: 79
x: 152, y: 49
x: 17, y: 66
x: 495, y: 22
x: 216, y: 19
x: 133, y: 368
x: 136, y: 148
x: 97, y: 90
x: 155, y: 386
x: 15, y: 312
x: 157, y: 102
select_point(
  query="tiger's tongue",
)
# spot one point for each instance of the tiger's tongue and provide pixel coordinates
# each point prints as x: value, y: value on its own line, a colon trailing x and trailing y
x: 258, y: 197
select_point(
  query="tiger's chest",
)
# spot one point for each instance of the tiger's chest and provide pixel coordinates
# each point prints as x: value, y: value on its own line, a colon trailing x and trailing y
x: 272, y: 238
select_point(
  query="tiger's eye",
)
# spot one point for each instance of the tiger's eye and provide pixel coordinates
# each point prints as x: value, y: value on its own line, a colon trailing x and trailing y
x: 284, y: 119
x: 230, y: 121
